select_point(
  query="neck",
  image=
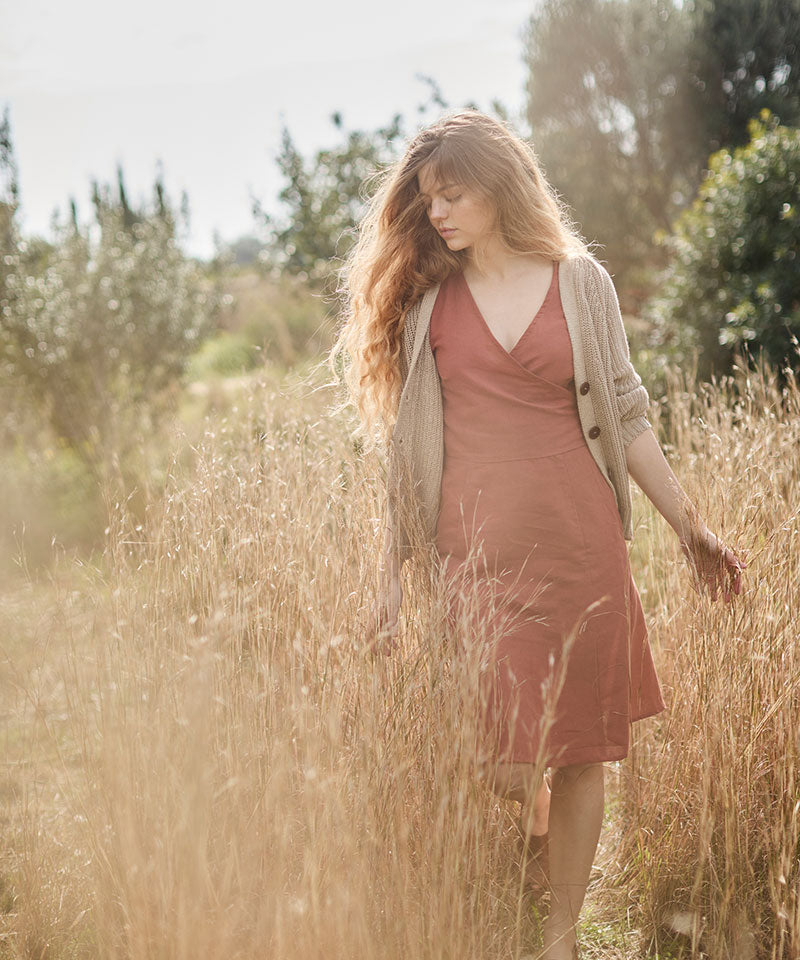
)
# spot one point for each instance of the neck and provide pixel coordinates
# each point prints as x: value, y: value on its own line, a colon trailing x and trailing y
x: 494, y: 261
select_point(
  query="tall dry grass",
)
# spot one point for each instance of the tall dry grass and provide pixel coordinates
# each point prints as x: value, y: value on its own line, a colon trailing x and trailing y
x: 241, y: 778
x: 711, y: 827
x: 202, y: 760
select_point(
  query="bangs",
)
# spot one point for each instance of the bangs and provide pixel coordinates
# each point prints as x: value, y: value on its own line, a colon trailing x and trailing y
x: 449, y: 164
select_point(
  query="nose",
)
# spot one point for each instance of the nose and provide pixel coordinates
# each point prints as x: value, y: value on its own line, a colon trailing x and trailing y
x: 439, y: 208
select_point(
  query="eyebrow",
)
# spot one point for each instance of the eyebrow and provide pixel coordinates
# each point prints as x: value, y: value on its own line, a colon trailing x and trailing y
x: 443, y: 187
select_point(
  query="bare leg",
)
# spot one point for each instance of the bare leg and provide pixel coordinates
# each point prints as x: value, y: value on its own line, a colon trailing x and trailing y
x: 576, y: 815
x: 515, y: 781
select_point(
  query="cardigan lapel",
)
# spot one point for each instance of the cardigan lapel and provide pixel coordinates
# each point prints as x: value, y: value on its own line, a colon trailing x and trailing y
x: 569, y: 301
x: 423, y: 322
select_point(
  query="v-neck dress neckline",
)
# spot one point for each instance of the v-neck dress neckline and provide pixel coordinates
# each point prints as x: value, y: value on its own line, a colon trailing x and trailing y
x: 523, y: 336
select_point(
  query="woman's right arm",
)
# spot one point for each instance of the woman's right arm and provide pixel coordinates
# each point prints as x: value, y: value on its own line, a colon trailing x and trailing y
x: 390, y: 592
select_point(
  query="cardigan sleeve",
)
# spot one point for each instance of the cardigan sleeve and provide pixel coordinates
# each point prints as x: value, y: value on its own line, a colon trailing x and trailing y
x: 396, y: 474
x: 632, y: 397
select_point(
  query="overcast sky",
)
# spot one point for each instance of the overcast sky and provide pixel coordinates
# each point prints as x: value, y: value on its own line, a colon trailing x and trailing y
x: 203, y: 88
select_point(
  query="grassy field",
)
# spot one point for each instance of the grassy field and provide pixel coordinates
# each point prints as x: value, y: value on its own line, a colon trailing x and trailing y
x: 202, y: 761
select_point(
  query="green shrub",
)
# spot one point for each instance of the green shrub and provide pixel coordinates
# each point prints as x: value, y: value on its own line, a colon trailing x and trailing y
x: 225, y: 355
x: 733, y: 282
x: 278, y: 313
x: 99, y: 332
x: 48, y: 501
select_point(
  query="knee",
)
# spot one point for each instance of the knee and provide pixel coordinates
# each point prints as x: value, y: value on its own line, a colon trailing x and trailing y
x: 513, y: 781
x: 505, y: 781
x: 566, y: 778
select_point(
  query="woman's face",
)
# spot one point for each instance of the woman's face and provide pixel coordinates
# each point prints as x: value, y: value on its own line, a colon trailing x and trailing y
x: 460, y: 215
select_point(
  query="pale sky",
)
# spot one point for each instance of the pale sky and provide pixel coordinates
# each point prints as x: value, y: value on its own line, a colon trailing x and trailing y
x: 203, y: 89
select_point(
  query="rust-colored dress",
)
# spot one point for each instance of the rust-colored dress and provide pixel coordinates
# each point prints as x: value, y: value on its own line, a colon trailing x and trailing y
x: 531, y: 537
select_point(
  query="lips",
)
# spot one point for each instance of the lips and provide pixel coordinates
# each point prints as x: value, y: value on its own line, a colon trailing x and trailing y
x: 446, y: 232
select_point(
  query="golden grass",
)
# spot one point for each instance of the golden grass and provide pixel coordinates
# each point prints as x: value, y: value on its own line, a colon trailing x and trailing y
x: 202, y: 761
x: 710, y: 837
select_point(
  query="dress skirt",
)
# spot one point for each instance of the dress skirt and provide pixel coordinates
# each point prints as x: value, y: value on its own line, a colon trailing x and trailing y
x: 532, y: 543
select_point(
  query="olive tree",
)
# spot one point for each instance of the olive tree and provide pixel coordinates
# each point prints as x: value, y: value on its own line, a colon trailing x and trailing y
x: 100, y: 331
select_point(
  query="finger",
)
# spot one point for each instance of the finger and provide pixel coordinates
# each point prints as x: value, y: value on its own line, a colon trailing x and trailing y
x: 376, y: 631
x: 731, y: 560
x: 390, y: 626
x: 741, y: 558
x: 378, y: 646
x: 387, y: 646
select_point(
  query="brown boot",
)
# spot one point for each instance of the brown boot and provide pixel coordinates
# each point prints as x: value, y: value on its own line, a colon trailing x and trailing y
x: 533, y: 861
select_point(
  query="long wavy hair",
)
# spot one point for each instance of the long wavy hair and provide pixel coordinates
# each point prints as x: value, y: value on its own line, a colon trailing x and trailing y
x: 398, y: 254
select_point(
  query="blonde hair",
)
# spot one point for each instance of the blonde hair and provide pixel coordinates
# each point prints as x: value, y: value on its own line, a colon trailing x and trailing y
x: 398, y: 253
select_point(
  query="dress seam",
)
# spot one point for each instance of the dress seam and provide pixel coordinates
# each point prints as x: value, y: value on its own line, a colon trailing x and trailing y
x: 544, y: 456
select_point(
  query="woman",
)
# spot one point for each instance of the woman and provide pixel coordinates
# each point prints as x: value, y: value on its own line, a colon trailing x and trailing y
x: 486, y: 341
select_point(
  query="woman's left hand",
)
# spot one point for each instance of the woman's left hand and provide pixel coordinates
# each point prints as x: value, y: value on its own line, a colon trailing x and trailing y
x: 713, y: 564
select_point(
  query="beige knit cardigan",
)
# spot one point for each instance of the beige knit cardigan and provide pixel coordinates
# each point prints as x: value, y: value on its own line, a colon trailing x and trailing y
x: 612, y: 402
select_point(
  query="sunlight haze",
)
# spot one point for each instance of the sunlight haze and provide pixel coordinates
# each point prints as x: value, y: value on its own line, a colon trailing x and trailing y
x: 203, y: 89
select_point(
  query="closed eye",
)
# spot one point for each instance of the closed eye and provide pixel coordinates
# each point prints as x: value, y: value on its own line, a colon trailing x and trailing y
x: 447, y: 199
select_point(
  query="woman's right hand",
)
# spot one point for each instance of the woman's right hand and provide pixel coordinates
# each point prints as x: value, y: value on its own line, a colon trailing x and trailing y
x: 384, y: 620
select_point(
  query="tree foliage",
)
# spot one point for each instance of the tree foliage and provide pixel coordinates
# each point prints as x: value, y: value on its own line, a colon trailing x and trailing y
x: 9, y: 204
x: 324, y: 196
x: 98, y: 325
x: 607, y: 94
x: 733, y: 282
x: 627, y: 99
x: 746, y: 58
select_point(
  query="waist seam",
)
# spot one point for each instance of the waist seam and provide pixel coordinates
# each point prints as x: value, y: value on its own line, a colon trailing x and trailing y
x: 541, y: 456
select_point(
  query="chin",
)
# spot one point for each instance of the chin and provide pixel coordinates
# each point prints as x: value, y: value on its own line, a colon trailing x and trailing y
x: 456, y: 243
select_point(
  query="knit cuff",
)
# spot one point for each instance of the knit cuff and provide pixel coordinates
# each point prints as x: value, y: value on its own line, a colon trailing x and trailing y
x: 630, y: 429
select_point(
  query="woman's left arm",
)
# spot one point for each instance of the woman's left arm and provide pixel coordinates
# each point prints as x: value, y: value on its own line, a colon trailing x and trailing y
x: 650, y: 469
x: 713, y: 564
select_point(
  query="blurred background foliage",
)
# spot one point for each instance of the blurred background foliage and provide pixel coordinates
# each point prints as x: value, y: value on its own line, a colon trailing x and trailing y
x: 628, y: 98
x: 733, y: 280
x: 669, y: 128
x: 99, y: 323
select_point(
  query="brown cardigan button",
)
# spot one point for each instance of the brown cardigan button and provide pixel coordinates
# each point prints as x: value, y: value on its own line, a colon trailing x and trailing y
x: 585, y: 387
x: 594, y: 433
